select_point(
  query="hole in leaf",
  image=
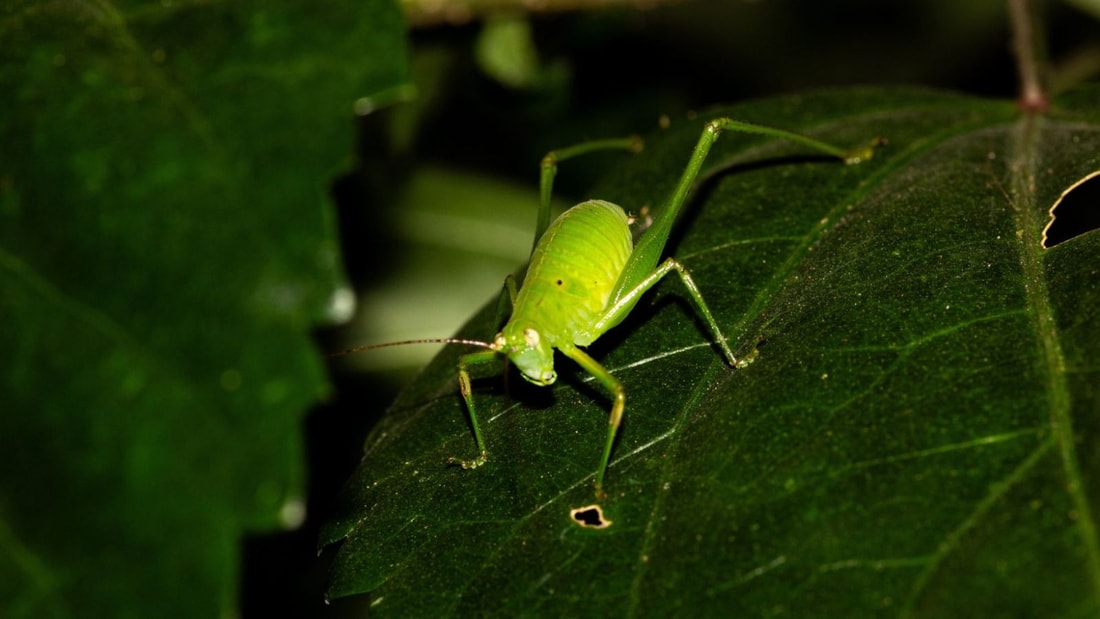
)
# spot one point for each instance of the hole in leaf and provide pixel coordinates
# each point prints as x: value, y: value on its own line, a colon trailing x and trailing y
x: 590, y: 517
x: 1075, y: 212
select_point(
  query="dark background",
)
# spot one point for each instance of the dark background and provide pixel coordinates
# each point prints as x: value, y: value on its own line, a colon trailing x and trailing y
x: 604, y: 73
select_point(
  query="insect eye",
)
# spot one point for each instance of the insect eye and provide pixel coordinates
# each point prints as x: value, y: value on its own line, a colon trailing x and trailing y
x: 531, y: 337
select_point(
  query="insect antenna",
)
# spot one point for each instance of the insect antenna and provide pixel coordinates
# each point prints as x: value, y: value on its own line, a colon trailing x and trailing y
x: 431, y: 340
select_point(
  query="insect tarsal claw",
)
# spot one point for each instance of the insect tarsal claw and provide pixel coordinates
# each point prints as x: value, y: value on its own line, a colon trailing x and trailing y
x: 470, y: 464
x: 600, y: 494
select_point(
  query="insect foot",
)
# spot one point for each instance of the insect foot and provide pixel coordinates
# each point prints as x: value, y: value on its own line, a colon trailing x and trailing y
x: 747, y: 360
x: 601, y: 495
x: 865, y: 152
x: 482, y: 458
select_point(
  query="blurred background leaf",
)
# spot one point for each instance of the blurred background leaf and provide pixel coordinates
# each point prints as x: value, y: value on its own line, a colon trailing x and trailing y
x: 166, y: 247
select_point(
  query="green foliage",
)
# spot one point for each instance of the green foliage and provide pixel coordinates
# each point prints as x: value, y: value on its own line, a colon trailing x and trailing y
x: 916, y: 438
x: 165, y: 247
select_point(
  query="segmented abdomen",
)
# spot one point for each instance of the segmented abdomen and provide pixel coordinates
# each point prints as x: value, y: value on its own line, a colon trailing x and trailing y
x: 573, y: 271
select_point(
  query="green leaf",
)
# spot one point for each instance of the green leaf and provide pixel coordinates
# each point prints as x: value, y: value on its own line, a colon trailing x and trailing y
x: 165, y: 248
x: 916, y: 438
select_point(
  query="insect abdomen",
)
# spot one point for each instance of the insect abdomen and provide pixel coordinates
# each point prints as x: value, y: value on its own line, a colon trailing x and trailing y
x: 573, y: 271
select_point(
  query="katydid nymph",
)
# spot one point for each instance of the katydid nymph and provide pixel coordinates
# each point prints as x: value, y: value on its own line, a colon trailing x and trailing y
x: 585, y: 276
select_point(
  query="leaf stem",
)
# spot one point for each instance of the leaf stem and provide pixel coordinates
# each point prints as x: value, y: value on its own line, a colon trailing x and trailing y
x: 1030, y: 53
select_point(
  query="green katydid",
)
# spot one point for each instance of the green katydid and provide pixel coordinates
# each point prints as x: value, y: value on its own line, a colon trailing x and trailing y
x: 586, y: 275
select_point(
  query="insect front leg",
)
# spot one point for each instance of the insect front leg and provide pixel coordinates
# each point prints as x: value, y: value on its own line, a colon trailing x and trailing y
x: 465, y: 361
x: 618, y: 404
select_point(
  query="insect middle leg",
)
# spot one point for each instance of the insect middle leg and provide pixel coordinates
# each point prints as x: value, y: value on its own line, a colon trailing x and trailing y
x: 625, y: 303
x: 613, y: 316
x: 608, y: 380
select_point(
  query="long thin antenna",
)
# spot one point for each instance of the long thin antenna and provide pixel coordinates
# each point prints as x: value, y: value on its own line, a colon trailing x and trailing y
x: 433, y: 340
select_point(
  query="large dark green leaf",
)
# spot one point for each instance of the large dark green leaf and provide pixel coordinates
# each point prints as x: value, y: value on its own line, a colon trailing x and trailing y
x: 917, y: 436
x: 165, y: 247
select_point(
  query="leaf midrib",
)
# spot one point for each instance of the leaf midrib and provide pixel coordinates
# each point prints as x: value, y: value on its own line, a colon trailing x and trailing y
x: 1030, y: 220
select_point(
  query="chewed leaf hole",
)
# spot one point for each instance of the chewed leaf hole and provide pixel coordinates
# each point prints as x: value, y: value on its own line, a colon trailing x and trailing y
x: 590, y: 517
x: 1075, y: 212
